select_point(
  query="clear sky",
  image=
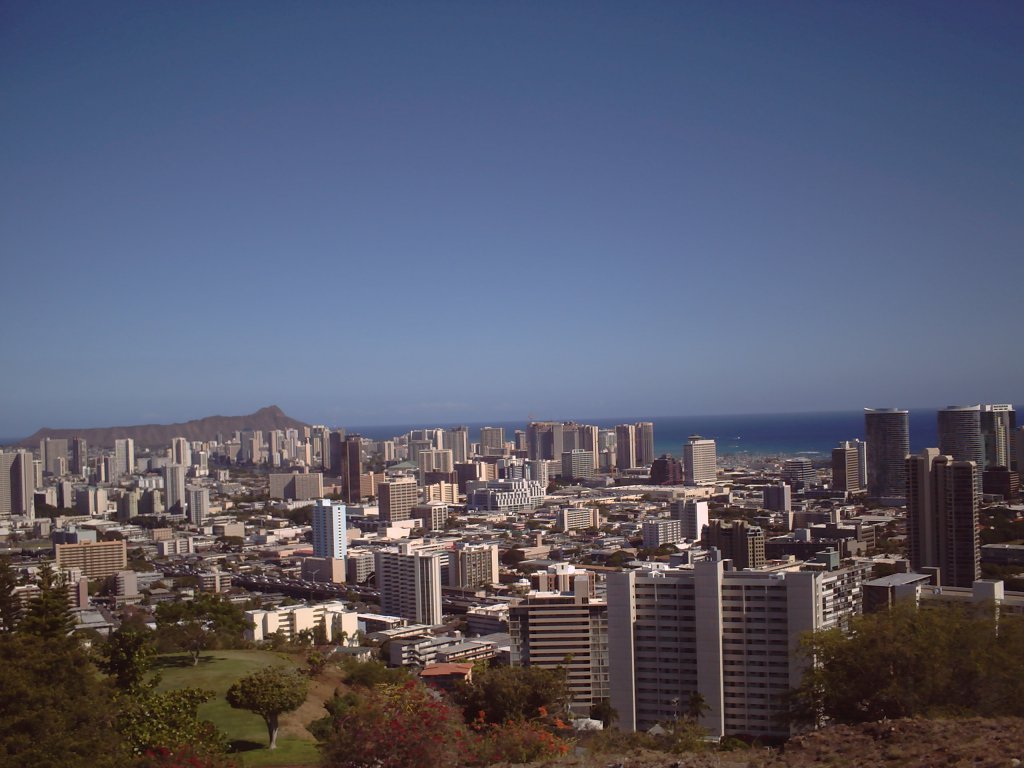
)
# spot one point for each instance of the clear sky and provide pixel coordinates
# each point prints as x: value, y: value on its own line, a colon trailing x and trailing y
x: 378, y: 212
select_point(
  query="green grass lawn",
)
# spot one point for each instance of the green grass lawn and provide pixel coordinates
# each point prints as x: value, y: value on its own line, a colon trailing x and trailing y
x: 246, y: 731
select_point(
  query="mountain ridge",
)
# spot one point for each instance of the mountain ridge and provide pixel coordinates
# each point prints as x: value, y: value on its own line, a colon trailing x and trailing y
x: 159, y: 435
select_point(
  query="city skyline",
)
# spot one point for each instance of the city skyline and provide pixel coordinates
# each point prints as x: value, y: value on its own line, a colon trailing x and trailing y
x: 702, y: 209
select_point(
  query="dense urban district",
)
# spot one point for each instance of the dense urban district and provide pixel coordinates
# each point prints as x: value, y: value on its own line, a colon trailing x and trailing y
x: 296, y: 594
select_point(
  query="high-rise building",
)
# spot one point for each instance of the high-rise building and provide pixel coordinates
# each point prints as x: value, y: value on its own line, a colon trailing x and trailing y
x: 296, y: 486
x: 351, y: 465
x: 124, y: 458
x: 396, y: 498
x: 456, y: 440
x: 778, y: 498
x: 887, y: 435
x: 959, y: 430
x: 799, y: 472
x: 473, y: 565
x: 942, y: 517
x: 692, y: 515
x: 409, y: 581
x: 96, y: 559
x: 54, y: 455
x: 17, y: 484
x: 492, y: 441
x: 198, y: 505
x: 625, y: 446
x: 700, y: 465
x: 329, y: 529
x: 436, y: 460
x: 577, y: 464
x: 544, y: 440
x: 644, y: 443
x: 725, y: 635
x: 666, y: 470
x: 998, y: 423
x: 181, y: 452
x: 660, y: 531
x: 846, y: 468
x: 739, y: 541
x: 79, y: 456
x: 174, y: 489
x: 564, y: 631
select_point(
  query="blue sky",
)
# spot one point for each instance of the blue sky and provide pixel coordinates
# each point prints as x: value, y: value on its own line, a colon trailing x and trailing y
x: 385, y: 212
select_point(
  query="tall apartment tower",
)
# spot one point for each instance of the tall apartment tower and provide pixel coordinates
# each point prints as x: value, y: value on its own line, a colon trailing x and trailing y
x: 54, y: 455
x: 692, y: 514
x: 645, y: 443
x: 396, y: 498
x: 959, y: 430
x: 625, y: 446
x: 998, y: 423
x: 181, y: 452
x: 457, y: 441
x: 174, y: 489
x: 492, y: 441
x: 473, y: 565
x: 740, y: 542
x: 700, y: 465
x: 846, y: 468
x: 198, y: 505
x: 351, y: 461
x: 729, y: 636
x: 124, y: 458
x: 410, y: 583
x: 942, y: 517
x: 329, y: 529
x: 564, y: 631
x: 887, y: 434
x: 544, y: 440
x: 17, y: 484
x: 79, y: 456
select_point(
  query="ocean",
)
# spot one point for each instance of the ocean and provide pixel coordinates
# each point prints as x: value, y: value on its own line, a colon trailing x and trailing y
x: 806, y: 434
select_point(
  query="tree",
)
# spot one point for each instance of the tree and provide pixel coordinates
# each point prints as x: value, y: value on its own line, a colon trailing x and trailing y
x: 10, y: 607
x: 48, y: 615
x: 603, y: 710
x: 397, y: 726
x: 269, y: 692
x: 513, y: 693
x: 151, y: 722
x: 127, y: 655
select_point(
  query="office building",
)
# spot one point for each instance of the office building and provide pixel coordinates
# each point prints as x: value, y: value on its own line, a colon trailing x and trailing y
x: 198, y: 505
x: 349, y: 462
x: 799, y: 472
x: 729, y: 636
x: 778, y: 498
x: 700, y: 466
x: 577, y: 464
x: 959, y: 431
x: 330, y: 529
x: 473, y: 565
x: 409, y: 581
x: 124, y: 458
x: 174, y: 489
x: 739, y: 541
x: 942, y: 517
x: 625, y: 446
x: 80, y: 457
x: 181, y: 452
x: 504, y: 496
x: 666, y: 470
x: 54, y: 455
x: 692, y: 516
x: 433, y: 515
x: 296, y: 486
x: 887, y: 437
x: 17, y: 484
x: 396, y: 498
x: 578, y: 518
x: 846, y: 471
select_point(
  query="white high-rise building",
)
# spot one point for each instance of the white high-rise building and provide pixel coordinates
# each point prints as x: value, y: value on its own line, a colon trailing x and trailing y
x: 410, y: 583
x: 124, y: 458
x: 625, y: 446
x: 997, y: 425
x: 700, y: 466
x: 693, y: 516
x: 329, y: 529
x: 198, y: 505
x: 181, y: 452
x: 729, y: 636
x: 174, y: 489
x: 473, y: 565
x: 17, y: 484
x: 396, y: 498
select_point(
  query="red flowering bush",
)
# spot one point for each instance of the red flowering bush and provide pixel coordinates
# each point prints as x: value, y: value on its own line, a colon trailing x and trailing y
x: 184, y: 756
x: 516, y: 741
